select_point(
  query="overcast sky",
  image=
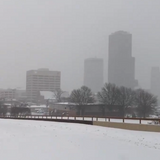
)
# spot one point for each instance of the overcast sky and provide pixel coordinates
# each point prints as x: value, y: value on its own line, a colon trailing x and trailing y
x: 60, y: 34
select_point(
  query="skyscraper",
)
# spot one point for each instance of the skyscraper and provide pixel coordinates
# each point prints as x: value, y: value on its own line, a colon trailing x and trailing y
x: 155, y: 81
x: 121, y: 64
x: 93, y: 74
x: 41, y: 80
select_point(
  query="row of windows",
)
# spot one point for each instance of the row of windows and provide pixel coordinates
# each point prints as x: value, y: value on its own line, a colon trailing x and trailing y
x: 42, y: 83
x: 43, y: 75
x: 43, y: 78
x: 39, y: 87
x: 39, y: 76
x: 42, y: 88
x: 7, y: 92
x: 9, y: 97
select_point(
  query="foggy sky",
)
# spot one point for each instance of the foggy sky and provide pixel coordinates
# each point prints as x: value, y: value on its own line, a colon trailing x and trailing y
x: 60, y: 34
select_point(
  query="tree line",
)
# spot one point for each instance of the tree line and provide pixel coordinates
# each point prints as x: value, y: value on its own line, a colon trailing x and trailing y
x: 141, y: 100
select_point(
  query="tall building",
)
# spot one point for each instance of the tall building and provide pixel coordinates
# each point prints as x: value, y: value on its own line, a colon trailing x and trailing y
x: 41, y: 80
x: 121, y: 64
x: 155, y: 81
x: 93, y: 74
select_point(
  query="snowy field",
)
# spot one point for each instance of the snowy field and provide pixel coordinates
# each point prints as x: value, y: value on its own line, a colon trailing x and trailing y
x: 38, y: 140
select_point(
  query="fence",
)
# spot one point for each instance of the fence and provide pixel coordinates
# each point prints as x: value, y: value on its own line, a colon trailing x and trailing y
x: 86, y: 119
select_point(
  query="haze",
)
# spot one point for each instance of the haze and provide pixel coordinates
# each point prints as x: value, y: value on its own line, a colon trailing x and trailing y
x: 60, y: 34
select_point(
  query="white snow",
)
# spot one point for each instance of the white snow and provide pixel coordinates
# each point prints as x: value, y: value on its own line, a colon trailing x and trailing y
x: 39, y: 140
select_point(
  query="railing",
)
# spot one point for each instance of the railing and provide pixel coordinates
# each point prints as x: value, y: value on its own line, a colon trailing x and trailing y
x: 85, y: 118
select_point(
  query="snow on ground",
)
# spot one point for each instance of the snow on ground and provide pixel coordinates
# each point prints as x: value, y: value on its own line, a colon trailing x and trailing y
x: 39, y: 140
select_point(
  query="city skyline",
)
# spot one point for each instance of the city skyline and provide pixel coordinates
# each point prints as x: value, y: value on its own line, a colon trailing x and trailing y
x: 121, y: 64
x: 112, y: 81
x: 60, y: 35
x: 155, y: 81
x: 93, y: 74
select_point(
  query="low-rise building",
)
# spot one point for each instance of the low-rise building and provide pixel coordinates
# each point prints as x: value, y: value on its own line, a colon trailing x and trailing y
x: 8, y: 93
x: 39, y: 109
x: 63, y: 108
x: 90, y: 109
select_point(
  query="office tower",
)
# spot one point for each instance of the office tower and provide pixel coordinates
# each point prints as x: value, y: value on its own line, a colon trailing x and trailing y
x: 93, y: 74
x: 155, y: 81
x: 121, y: 64
x: 41, y: 80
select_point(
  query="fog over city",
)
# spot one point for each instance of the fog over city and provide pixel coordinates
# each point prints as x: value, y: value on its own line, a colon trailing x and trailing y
x: 61, y: 34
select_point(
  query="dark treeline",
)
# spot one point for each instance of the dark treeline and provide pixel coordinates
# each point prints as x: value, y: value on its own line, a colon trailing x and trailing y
x: 143, y: 102
x: 139, y: 101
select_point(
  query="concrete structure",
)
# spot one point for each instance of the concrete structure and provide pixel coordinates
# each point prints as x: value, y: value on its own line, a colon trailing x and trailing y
x: 155, y: 81
x: 63, y: 108
x: 93, y: 74
x: 41, y: 80
x: 121, y: 64
x: 39, y: 110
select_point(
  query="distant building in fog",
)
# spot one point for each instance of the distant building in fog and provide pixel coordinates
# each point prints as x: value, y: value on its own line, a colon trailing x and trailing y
x: 121, y: 64
x: 93, y: 74
x: 8, y: 93
x: 41, y: 80
x: 155, y: 81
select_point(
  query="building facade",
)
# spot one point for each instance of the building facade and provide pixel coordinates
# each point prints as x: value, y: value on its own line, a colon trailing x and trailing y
x: 41, y: 80
x: 121, y: 64
x: 8, y: 93
x: 155, y: 81
x: 93, y: 74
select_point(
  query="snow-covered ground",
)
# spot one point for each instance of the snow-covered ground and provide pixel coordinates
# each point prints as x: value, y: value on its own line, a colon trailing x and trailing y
x: 38, y: 140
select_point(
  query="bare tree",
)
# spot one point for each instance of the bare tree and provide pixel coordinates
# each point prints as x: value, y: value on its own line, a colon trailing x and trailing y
x: 75, y: 96
x: 108, y: 96
x: 125, y: 98
x: 81, y: 97
x: 58, y: 94
x: 146, y: 102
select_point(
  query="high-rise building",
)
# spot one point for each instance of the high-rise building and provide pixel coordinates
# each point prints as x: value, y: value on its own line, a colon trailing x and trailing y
x: 41, y: 80
x: 155, y: 81
x: 121, y: 64
x: 93, y: 74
